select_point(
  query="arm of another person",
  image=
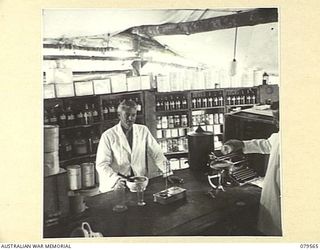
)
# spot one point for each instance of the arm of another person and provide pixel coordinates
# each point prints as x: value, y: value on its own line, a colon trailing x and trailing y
x: 107, y: 177
x: 155, y: 152
x: 259, y: 146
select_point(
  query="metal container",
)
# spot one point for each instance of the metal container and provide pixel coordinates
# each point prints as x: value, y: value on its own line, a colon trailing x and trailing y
x: 51, y: 163
x: 200, y: 144
x: 74, y: 177
x: 51, y: 138
x: 87, y: 174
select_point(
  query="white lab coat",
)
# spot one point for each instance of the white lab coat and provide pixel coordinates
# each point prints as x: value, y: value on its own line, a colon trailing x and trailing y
x: 114, y: 155
x: 269, y: 221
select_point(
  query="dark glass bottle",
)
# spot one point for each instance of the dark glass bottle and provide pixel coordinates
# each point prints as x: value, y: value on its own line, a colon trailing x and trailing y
x: 65, y: 148
x: 53, y: 120
x: 87, y: 114
x: 45, y: 117
x: 70, y: 117
x: 93, y: 142
x: 62, y: 118
x: 95, y: 113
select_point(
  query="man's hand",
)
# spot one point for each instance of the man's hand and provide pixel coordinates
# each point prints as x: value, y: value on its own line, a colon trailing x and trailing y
x: 121, y: 183
x: 231, y: 146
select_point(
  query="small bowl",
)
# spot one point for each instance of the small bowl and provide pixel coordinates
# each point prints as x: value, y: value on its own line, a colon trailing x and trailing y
x: 133, y: 182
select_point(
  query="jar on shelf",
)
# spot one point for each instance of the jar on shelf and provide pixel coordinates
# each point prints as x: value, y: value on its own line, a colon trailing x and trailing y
x: 93, y: 142
x: 65, y: 148
x: 164, y: 122
x: 177, y: 123
x: 80, y: 145
x: 184, y: 121
x: 170, y: 122
x: 159, y: 122
x: 70, y: 117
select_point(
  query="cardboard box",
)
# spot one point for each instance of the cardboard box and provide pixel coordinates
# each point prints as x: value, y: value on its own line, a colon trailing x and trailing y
x: 163, y: 83
x: 102, y: 86
x: 145, y: 82
x: 64, y: 90
x: 83, y: 88
x: 133, y: 83
x: 59, y: 75
x: 48, y: 91
x: 118, y: 83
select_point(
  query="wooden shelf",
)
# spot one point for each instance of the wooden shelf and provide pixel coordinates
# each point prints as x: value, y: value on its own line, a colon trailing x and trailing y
x: 80, y: 126
x: 78, y: 158
x: 216, y: 107
x: 240, y: 105
x: 176, y: 153
x: 161, y: 112
x: 176, y: 137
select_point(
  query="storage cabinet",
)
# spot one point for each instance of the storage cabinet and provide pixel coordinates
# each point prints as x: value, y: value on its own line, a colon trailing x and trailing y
x: 168, y: 115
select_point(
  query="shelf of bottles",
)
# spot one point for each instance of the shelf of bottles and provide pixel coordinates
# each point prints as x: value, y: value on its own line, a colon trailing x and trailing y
x: 238, y: 99
x: 208, y: 112
x: 111, y: 102
x: 172, y: 123
x: 79, y: 121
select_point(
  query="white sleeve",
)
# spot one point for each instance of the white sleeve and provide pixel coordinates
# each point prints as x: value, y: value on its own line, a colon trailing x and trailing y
x: 155, y: 152
x: 107, y: 177
x: 260, y: 146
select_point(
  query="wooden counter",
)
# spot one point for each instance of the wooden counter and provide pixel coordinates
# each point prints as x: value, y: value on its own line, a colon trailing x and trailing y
x: 231, y: 213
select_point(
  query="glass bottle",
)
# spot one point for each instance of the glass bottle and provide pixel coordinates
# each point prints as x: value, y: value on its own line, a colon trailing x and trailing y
x: 204, y: 101
x: 87, y: 114
x: 177, y: 121
x: 184, y: 121
x: 221, y: 99
x: 80, y: 118
x: 80, y: 144
x: 93, y: 142
x: 62, y: 118
x: 53, y: 117
x: 46, y: 117
x: 184, y: 103
x: 194, y: 102
x: 70, y: 117
x: 164, y: 122
x: 166, y: 104
x: 105, y: 111
x: 112, y: 110
x: 171, y: 103
x: 215, y: 100
x: 158, y: 105
x: 170, y: 121
x: 95, y: 113
x: 65, y: 148
x: 159, y: 123
x: 198, y: 102
x: 210, y: 101
x: 178, y: 103
x: 229, y: 100
x: 139, y: 107
x: 161, y: 105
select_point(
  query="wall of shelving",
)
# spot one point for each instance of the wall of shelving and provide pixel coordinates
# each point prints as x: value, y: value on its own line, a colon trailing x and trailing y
x: 170, y: 116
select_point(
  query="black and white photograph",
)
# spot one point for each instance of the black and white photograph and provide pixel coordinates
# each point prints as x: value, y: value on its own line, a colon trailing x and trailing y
x: 161, y: 122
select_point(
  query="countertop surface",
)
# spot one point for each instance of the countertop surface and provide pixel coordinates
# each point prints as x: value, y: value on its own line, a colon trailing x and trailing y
x: 190, y: 216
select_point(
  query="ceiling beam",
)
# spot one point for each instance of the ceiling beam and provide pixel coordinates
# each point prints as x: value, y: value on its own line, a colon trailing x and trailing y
x: 249, y: 18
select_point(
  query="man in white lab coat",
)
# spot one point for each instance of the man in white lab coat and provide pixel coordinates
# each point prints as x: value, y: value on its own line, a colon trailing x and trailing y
x: 123, y: 148
x: 269, y: 221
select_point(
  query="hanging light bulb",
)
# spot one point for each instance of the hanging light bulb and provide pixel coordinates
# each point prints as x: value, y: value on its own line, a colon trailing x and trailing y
x: 233, y: 67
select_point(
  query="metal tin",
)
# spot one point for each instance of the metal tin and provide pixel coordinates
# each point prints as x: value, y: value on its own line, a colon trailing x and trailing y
x: 87, y: 174
x: 74, y: 177
x: 51, y: 163
x: 51, y: 138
